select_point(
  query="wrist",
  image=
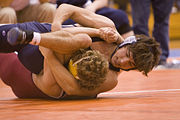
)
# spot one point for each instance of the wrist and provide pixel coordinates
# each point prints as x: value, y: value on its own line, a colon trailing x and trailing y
x: 120, y: 39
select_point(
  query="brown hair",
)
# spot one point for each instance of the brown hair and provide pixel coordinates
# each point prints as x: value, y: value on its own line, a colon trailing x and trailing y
x: 91, y: 69
x: 146, y: 53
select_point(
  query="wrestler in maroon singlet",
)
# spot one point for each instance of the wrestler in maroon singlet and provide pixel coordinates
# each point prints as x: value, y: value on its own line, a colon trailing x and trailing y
x: 15, y: 75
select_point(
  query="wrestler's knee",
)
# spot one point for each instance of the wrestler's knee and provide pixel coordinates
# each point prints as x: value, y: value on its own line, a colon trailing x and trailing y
x: 83, y: 40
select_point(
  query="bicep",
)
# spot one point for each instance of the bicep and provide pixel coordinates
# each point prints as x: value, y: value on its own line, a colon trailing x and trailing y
x: 87, y: 18
x: 90, y: 19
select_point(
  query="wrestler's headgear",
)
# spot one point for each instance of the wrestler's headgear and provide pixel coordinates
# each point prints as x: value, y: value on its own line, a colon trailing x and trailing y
x: 127, y: 41
x: 73, y: 67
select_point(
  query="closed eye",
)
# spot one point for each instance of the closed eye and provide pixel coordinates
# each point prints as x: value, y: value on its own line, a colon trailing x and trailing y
x: 128, y: 55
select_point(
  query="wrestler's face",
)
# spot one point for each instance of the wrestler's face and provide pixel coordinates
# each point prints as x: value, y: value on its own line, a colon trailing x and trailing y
x: 123, y: 58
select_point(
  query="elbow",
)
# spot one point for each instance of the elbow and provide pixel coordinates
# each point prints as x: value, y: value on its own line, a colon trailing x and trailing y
x: 84, y: 40
x: 112, y: 25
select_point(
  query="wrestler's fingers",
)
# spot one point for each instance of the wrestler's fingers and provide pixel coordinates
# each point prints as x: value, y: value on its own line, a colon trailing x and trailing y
x: 108, y: 34
x: 112, y: 36
x: 102, y: 33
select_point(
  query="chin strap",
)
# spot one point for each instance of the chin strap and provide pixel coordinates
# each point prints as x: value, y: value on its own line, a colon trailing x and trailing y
x: 128, y: 41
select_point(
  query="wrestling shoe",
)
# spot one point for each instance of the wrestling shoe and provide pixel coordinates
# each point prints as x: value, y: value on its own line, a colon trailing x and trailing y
x: 16, y: 36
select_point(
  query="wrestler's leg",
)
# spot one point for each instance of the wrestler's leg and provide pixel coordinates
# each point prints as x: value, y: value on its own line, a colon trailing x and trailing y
x: 15, y: 75
x: 5, y: 47
x: 12, y: 72
x: 29, y: 55
x: 61, y: 41
x: 6, y: 58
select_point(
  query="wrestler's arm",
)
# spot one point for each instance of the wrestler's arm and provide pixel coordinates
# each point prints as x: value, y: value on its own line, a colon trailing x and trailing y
x: 92, y: 32
x: 107, y: 34
x: 64, y: 42
x: 86, y: 18
x: 69, y: 40
x: 82, y: 16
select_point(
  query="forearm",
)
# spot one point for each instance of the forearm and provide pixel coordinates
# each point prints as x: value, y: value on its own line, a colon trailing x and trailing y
x: 65, y: 43
x: 112, y: 37
x: 82, y: 16
x: 92, y: 32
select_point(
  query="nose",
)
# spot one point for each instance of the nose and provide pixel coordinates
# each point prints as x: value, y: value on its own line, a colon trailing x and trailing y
x: 123, y: 61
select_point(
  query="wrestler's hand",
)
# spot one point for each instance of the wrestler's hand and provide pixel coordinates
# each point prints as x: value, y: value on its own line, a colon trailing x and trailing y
x: 110, y: 35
